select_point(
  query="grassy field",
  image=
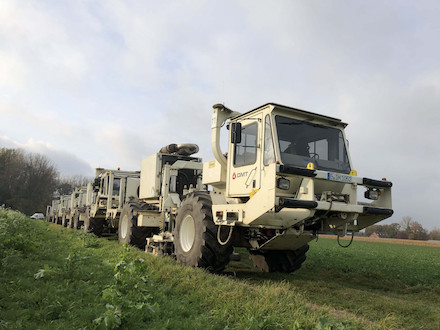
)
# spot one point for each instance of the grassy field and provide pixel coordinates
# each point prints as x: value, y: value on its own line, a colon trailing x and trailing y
x: 386, y: 240
x: 54, y: 277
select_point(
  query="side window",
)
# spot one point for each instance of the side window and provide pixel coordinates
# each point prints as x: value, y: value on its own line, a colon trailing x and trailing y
x: 246, y: 150
x: 103, y: 186
x: 269, y: 156
x: 116, y: 186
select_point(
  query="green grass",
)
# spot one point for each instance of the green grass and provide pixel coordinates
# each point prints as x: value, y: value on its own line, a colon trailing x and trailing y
x: 54, y: 277
x: 385, y: 285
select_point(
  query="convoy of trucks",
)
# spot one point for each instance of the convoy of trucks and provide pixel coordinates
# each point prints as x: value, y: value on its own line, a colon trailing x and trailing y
x: 286, y: 176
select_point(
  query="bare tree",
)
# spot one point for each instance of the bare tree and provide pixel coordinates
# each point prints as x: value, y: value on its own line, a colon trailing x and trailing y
x: 417, y: 231
x: 405, y: 224
x: 27, y: 181
x: 434, y: 234
x: 385, y: 231
x: 67, y: 184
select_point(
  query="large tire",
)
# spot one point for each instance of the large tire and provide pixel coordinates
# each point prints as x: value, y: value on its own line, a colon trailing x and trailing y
x: 86, y: 225
x: 93, y: 225
x: 128, y: 230
x: 64, y: 221
x: 76, y: 223
x: 96, y: 226
x: 285, y: 261
x: 195, y: 235
x: 70, y: 222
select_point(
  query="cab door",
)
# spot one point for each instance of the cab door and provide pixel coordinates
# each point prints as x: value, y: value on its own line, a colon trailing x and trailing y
x: 244, y: 160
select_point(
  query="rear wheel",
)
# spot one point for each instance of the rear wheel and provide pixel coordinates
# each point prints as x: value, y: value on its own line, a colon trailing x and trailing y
x: 96, y: 226
x: 70, y: 222
x: 195, y: 235
x: 128, y: 230
x: 86, y: 225
x: 76, y: 221
x: 283, y: 261
x: 93, y: 225
x: 64, y: 221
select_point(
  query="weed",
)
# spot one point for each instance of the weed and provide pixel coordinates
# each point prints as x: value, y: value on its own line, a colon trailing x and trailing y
x: 326, y: 324
x: 128, y: 297
x: 90, y: 241
x: 15, y: 234
x: 54, y: 277
x: 46, y: 272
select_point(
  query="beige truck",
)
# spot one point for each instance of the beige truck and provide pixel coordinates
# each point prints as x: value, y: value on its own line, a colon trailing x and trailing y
x: 286, y: 176
x: 52, y: 210
x: 105, y: 198
x: 77, y: 206
x: 62, y: 216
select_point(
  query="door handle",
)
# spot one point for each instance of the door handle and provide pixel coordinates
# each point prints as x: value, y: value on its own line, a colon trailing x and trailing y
x: 250, y: 177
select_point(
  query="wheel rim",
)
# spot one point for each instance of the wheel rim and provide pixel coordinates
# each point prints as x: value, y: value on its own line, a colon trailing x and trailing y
x: 124, y: 226
x: 187, y: 233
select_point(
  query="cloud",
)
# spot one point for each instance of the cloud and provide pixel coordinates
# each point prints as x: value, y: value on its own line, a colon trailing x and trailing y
x: 112, y: 82
x: 12, y: 71
x: 66, y: 163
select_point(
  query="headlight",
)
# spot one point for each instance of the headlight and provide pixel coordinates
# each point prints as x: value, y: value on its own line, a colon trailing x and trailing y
x: 372, y: 194
x: 283, y: 184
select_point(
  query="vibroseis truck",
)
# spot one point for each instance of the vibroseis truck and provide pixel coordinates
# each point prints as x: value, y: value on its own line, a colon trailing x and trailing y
x: 287, y: 175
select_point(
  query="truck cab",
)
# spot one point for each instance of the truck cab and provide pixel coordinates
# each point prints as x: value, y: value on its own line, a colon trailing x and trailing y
x: 112, y: 189
x: 288, y: 172
x: 287, y: 136
x: 105, y: 198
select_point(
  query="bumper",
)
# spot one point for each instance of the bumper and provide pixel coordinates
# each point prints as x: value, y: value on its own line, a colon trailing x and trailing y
x: 292, y: 203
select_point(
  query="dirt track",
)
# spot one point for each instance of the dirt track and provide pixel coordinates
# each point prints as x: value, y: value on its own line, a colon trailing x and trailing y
x: 386, y: 240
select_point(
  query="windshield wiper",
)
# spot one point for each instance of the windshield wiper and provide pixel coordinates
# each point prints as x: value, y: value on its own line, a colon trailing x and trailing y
x: 299, y: 122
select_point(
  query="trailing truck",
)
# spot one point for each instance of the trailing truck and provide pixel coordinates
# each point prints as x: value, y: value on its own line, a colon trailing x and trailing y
x: 52, y: 210
x: 105, y: 198
x: 77, y: 206
x: 62, y: 216
x: 285, y: 177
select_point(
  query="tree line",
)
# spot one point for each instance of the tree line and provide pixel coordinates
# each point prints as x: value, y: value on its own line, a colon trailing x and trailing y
x: 406, y: 229
x: 29, y: 181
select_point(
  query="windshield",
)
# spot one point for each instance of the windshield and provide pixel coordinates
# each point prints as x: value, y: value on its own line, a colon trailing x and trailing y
x: 303, y: 142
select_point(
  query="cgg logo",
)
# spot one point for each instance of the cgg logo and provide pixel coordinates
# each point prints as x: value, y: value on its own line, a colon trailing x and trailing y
x: 234, y: 176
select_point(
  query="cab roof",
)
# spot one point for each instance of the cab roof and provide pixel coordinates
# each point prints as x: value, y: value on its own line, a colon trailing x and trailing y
x: 308, y: 114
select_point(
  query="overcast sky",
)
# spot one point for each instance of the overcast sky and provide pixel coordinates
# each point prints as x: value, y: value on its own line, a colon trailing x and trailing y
x: 107, y: 83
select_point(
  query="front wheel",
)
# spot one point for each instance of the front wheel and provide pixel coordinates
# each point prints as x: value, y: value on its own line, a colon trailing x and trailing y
x: 93, y: 225
x: 280, y: 261
x: 195, y: 235
x: 64, y: 221
x: 76, y: 223
x: 128, y: 230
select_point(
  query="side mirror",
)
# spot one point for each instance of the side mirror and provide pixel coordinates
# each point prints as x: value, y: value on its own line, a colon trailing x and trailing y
x: 96, y: 184
x: 235, y: 132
